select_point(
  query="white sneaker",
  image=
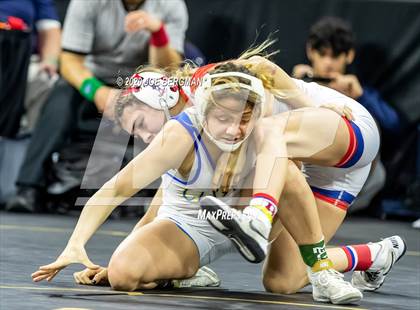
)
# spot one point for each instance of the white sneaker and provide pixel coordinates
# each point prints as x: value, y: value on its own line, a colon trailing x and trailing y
x: 329, y: 286
x: 392, y: 249
x: 249, y: 234
x: 204, y: 277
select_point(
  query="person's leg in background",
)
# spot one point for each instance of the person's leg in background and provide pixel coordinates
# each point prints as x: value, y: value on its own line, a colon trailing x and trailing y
x: 14, y: 61
x: 54, y: 126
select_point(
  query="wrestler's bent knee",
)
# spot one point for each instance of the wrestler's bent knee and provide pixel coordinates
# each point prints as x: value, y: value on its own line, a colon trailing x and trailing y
x: 282, y: 284
x: 120, y: 277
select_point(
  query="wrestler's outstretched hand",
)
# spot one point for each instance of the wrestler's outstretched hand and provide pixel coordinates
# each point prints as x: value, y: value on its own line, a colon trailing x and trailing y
x: 92, y: 276
x: 72, y: 254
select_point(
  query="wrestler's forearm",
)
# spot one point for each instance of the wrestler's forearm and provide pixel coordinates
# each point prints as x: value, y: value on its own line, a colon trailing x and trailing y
x: 145, y: 168
x: 283, y: 85
x: 101, y: 204
x: 151, y: 212
x: 95, y: 212
x: 113, y: 193
x: 292, y: 94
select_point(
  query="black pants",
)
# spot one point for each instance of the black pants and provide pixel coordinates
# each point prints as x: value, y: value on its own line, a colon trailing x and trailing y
x: 15, y: 53
x: 55, y: 126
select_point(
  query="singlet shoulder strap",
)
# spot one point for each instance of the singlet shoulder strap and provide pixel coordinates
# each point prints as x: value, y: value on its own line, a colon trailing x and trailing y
x: 186, y: 122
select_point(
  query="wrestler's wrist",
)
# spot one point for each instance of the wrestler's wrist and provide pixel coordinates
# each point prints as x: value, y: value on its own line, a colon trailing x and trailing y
x: 76, y: 242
